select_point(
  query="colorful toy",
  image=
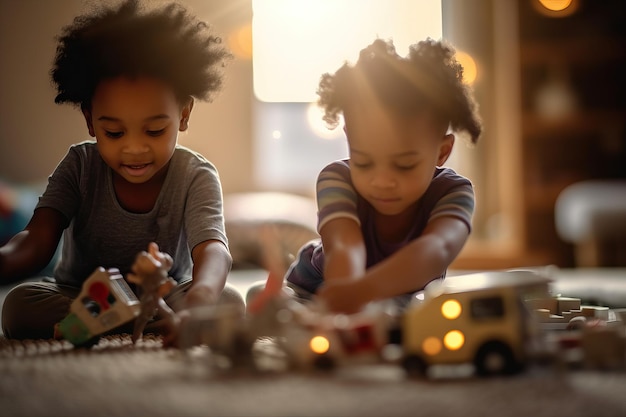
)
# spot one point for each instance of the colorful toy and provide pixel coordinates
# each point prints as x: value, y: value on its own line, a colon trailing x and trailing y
x: 104, y: 303
x: 481, y: 319
x: 498, y: 322
x: 150, y: 274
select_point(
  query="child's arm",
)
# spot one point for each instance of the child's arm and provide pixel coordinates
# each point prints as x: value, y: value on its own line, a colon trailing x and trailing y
x: 211, y: 264
x: 344, y: 249
x: 30, y: 250
x: 409, y: 268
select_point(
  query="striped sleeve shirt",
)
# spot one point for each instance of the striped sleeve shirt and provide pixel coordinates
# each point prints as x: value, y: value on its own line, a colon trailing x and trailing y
x: 449, y: 194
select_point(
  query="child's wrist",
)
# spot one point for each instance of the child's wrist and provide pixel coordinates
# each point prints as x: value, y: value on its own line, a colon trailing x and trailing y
x: 200, y: 295
x: 364, y: 291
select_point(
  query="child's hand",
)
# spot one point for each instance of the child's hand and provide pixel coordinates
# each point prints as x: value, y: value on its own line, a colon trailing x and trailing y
x: 341, y: 296
x: 169, y: 328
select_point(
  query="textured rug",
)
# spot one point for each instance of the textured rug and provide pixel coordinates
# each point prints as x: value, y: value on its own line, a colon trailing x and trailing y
x: 117, y: 378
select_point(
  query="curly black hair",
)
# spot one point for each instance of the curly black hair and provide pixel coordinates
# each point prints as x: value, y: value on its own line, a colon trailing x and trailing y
x: 428, y: 78
x: 167, y: 43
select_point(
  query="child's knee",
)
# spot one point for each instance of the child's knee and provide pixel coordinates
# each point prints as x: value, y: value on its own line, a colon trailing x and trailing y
x: 230, y: 295
x: 31, y: 309
x: 255, y: 289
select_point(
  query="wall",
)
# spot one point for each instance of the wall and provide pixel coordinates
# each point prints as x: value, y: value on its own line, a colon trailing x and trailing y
x: 35, y: 132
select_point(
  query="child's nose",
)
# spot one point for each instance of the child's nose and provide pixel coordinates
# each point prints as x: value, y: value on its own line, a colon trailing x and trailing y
x: 135, y: 144
x: 383, y: 179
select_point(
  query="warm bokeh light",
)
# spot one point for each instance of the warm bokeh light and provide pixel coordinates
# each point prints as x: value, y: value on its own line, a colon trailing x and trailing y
x: 240, y: 42
x: 319, y: 345
x: 431, y: 346
x: 454, y: 340
x: 470, y: 69
x: 277, y: 134
x: 451, y: 309
x: 556, y: 8
x: 556, y: 5
x: 295, y: 42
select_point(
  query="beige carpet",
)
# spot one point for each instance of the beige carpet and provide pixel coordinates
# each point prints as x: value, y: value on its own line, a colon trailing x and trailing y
x: 115, y: 378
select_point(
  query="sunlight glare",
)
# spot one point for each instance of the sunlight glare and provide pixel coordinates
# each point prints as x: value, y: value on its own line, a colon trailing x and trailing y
x: 314, y: 114
x: 295, y: 42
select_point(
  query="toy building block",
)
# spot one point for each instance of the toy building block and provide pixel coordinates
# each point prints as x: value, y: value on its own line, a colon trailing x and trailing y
x: 104, y: 303
x: 149, y: 272
x: 603, y: 347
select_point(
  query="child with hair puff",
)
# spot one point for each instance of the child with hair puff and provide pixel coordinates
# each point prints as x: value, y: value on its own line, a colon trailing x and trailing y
x: 134, y: 73
x: 391, y: 218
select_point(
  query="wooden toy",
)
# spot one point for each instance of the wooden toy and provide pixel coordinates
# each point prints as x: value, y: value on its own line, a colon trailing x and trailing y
x: 594, y: 338
x: 150, y: 274
x: 104, y: 303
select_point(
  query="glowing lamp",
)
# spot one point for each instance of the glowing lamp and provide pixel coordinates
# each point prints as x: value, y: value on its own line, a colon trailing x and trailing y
x: 556, y: 8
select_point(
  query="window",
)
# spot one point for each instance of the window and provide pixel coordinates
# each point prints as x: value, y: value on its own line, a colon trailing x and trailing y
x: 487, y: 308
x: 295, y: 42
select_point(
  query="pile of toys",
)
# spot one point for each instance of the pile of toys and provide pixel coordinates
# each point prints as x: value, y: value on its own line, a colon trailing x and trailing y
x: 496, y: 321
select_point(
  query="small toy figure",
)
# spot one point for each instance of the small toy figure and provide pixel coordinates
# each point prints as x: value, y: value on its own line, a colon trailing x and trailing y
x: 150, y: 274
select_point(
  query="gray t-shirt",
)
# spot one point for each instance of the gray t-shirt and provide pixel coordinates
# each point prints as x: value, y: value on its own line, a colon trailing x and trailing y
x: 188, y: 211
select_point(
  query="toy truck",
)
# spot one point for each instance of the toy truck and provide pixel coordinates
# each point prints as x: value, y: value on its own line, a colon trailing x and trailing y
x: 478, y: 318
x: 104, y: 303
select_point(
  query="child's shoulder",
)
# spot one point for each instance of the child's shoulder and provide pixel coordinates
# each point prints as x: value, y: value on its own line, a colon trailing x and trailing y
x: 446, y: 181
x: 189, y: 155
x: 186, y: 160
x: 339, y: 165
x: 85, y: 146
x: 84, y: 153
x: 446, y: 175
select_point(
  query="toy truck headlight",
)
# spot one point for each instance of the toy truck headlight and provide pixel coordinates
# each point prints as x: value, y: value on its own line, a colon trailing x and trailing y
x: 454, y: 340
x: 431, y: 346
x: 319, y: 344
x: 451, y: 309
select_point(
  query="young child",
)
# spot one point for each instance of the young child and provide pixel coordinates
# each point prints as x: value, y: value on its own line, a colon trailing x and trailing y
x: 391, y: 219
x: 134, y: 73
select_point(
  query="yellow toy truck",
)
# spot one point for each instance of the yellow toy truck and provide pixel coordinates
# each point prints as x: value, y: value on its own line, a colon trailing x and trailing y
x: 479, y: 318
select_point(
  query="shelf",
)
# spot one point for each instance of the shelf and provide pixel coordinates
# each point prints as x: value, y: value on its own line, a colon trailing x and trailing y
x: 579, y: 123
x: 575, y: 50
x: 542, y: 197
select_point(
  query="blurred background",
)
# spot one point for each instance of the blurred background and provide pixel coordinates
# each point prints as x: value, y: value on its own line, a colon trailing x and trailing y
x: 548, y: 75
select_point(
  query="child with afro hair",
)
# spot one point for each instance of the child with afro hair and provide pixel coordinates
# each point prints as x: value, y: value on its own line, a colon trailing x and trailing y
x: 134, y: 73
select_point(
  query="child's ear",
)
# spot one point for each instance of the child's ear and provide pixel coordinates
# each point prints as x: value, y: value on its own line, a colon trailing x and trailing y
x: 184, y: 115
x: 87, y: 116
x: 445, y: 149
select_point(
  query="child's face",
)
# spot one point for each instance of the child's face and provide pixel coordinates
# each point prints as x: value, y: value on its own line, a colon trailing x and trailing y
x: 136, y: 124
x: 392, y: 160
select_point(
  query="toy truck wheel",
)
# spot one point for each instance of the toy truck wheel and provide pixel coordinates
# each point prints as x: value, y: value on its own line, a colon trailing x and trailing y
x: 495, y: 358
x: 324, y: 362
x: 414, y: 366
